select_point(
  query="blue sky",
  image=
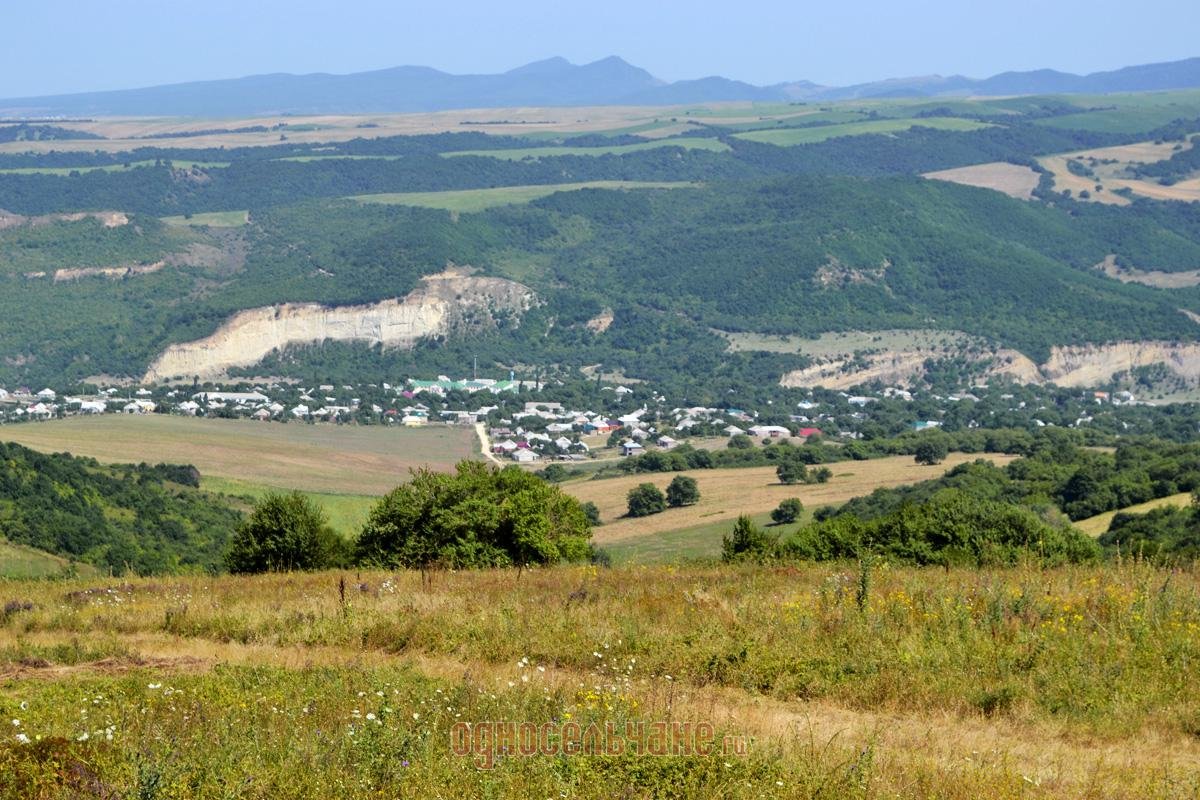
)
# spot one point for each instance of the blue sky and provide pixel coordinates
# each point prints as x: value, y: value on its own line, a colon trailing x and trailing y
x: 53, y: 46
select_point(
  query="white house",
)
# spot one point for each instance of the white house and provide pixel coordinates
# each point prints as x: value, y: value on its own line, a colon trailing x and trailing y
x: 300, y: 412
x: 523, y: 456
x: 189, y: 407
x: 139, y: 407
x: 562, y: 443
x: 92, y: 407
x: 631, y: 448
x: 47, y: 394
x: 732, y: 430
x: 769, y: 431
x: 666, y: 442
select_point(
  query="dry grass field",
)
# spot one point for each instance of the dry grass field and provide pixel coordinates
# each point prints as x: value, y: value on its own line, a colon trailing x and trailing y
x: 471, y: 200
x: 727, y: 493
x: 1112, y: 176
x: 1012, y: 179
x: 1094, y: 526
x: 955, y: 684
x: 122, y: 132
x: 342, y: 459
x: 1156, y: 278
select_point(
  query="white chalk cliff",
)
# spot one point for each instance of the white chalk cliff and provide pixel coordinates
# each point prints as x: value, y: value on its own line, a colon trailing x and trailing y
x: 442, y: 305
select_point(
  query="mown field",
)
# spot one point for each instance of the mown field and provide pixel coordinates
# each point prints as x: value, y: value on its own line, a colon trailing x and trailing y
x: 1099, y: 524
x: 549, y: 152
x: 327, y: 459
x: 727, y: 493
x: 784, y: 137
x: 1016, y: 683
x: 470, y: 200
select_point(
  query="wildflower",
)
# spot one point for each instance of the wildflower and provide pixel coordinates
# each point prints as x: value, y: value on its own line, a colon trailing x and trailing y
x: 154, y: 686
x: 22, y: 738
x: 370, y: 715
x: 16, y: 723
x: 416, y: 715
x: 83, y: 737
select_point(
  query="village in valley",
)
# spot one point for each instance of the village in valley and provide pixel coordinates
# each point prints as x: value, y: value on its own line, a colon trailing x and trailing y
x: 529, y: 422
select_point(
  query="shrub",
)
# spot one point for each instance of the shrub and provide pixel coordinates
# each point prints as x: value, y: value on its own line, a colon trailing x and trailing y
x: 931, y: 451
x: 747, y: 542
x: 591, y: 512
x: 285, y: 532
x: 682, y: 491
x: 646, y: 499
x: 788, y: 511
x: 479, y: 516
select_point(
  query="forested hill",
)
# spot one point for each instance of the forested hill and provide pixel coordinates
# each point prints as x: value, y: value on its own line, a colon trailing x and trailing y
x: 144, y: 518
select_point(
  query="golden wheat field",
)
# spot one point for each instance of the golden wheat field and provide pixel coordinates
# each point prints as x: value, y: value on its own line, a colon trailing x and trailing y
x: 727, y: 493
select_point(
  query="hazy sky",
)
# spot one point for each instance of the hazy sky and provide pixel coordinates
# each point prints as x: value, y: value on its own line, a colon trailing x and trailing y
x: 53, y: 46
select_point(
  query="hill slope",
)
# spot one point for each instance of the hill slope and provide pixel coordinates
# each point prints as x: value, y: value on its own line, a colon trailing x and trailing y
x: 150, y: 519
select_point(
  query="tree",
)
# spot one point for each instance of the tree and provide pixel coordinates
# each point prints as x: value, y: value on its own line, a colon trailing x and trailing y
x: 646, y: 499
x: 285, y: 532
x: 788, y: 511
x: 740, y: 441
x: 791, y: 472
x: 682, y: 491
x: 592, y: 513
x: 931, y: 451
x: 478, y: 516
x: 747, y: 542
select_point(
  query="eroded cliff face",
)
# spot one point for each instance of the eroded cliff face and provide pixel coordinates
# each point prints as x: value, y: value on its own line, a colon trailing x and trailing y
x: 1084, y: 365
x: 444, y: 304
x: 1075, y: 365
x: 902, y: 368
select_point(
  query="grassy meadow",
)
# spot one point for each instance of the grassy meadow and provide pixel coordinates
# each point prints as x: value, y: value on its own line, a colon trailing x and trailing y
x: 1016, y: 683
x: 471, y: 200
x: 212, y: 219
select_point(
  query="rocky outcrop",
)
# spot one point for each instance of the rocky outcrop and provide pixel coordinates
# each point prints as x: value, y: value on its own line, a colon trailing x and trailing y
x: 444, y: 304
x: 903, y: 368
x: 1075, y: 365
x: 1085, y: 365
x: 110, y: 219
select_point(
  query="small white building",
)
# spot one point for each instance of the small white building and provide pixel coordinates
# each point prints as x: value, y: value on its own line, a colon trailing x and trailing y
x: 631, y: 448
x: 47, y: 394
x: 769, y: 432
x: 523, y: 456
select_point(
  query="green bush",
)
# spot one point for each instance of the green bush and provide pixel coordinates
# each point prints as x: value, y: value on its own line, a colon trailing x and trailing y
x: 748, y: 542
x: 645, y: 499
x: 788, y: 511
x: 682, y: 491
x: 285, y: 532
x: 479, y: 516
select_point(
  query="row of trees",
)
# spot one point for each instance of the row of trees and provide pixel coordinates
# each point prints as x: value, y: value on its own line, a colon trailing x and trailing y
x: 477, y: 516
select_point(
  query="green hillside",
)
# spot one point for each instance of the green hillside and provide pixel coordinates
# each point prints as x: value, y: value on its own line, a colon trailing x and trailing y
x: 148, y: 519
x: 834, y: 231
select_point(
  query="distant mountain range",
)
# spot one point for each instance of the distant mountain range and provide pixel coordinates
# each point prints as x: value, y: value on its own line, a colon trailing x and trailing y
x: 552, y: 82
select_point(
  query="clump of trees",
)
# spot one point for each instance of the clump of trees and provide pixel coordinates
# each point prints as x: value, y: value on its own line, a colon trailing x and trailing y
x: 788, y: 511
x: 286, y: 532
x: 931, y: 451
x: 683, y: 491
x: 793, y: 472
x: 645, y: 499
x: 477, y: 516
